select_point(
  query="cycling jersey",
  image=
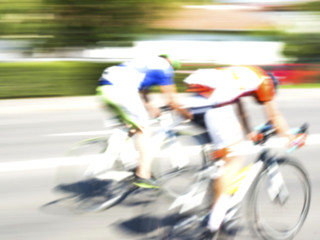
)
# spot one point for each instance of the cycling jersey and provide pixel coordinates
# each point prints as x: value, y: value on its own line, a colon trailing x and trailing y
x: 119, y: 87
x: 139, y: 74
x: 216, y: 89
x: 222, y: 86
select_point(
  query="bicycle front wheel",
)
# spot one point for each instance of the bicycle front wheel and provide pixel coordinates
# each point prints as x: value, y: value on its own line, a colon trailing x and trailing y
x: 80, y: 158
x: 280, y: 217
x: 92, y: 179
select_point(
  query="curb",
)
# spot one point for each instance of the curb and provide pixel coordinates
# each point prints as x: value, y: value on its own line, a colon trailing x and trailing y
x: 32, y: 105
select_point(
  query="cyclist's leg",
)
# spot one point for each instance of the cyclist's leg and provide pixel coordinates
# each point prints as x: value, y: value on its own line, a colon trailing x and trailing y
x: 130, y: 109
x: 225, y: 131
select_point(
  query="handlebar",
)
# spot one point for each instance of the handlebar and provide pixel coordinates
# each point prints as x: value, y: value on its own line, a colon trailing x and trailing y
x: 168, y: 118
x: 264, y: 132
x: 303, y: 128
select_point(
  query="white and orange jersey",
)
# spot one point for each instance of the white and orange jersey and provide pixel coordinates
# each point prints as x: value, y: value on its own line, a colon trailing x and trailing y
x: 221, y: 86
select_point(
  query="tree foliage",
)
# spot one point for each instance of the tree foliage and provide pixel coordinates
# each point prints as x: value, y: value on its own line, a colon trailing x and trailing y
x: 80, y: 23
x: 305, y: 46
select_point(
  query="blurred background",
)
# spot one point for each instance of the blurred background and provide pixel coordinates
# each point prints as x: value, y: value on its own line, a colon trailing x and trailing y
x: 62, y: 46
x: 59, y: 48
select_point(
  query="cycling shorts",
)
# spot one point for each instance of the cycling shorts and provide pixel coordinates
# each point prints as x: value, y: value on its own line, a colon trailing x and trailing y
x: 223, y: 126
x: 125, y: 104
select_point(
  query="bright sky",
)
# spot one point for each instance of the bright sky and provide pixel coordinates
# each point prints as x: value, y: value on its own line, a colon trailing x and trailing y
x: 223, y: 52
x: 262, y: 1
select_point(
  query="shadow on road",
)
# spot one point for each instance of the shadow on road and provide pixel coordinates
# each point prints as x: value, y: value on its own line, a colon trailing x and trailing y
x: 94, y: 195
x: 154, y: 222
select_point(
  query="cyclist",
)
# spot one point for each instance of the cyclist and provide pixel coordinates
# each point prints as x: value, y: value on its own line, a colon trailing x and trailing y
x: 216, y: 90
x: 119, y: 88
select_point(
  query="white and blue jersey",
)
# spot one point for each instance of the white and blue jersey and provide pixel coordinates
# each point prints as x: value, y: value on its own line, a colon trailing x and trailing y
x: 139, y: 74
x: 119, y: 86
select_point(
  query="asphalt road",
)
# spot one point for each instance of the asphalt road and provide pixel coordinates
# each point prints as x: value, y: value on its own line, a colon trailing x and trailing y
x: 35, y: 133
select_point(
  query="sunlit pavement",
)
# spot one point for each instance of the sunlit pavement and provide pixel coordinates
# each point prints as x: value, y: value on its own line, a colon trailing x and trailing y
x: 35, y: 134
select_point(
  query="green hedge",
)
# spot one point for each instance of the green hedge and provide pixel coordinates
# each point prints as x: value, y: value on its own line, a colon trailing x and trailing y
x: 48, y: 79
x: 45, y: 79
x: 63, y: 78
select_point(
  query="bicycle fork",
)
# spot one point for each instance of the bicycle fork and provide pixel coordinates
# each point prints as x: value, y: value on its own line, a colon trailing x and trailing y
x: 276, y: 186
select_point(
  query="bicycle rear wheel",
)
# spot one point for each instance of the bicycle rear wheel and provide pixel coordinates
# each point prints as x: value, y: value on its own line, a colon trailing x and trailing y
x: 280, y: 219
x: 90, y: 180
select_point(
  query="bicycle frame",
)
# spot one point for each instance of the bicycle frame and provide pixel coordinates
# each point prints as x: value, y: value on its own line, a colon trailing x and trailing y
x: 257, y: 181
x: 121, y: 148
x: 239, y: 191
x: 276, y: 184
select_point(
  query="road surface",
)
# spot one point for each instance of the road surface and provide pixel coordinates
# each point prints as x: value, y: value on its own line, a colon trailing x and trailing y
x: 35, y: 133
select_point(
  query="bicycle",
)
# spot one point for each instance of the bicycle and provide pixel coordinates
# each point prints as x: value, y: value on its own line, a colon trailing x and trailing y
x: 100, y: 170
x: 269, y: 186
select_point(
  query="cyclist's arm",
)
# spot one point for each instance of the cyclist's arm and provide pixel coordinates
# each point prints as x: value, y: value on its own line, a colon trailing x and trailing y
x: 144, y: 94
x: 154, y: 111
x: 170, y: 94
x: 277, y: 119
x: 243, y: 116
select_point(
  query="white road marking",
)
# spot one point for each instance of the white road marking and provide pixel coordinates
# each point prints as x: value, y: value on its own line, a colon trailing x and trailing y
x: 89, y: 133
x: 37, y: 164
x: 97, y: 133
x: 313, y: 139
